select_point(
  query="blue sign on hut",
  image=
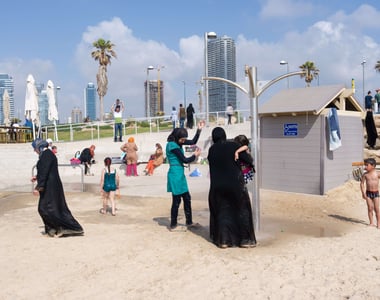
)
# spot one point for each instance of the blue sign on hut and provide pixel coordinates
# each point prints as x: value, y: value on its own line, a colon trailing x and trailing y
x: 309, y: 138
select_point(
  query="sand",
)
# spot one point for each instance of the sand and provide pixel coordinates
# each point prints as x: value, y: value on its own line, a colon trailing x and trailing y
x: 310, y: 247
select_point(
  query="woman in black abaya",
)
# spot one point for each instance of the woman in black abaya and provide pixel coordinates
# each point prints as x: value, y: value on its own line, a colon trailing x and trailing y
x: 52, y: 206
x: 371, y: 129
x: 231, y: 223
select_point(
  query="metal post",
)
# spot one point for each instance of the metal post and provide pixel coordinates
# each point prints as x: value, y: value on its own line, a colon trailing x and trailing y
x: 284, y: 62
x: 147, y: 94
x: 255, y: 143
x: 363, y: 63
x: 206, y: 75
x: 184, y: 92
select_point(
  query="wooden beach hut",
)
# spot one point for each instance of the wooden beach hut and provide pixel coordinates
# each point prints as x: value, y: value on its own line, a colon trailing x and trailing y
x: 295, y: 139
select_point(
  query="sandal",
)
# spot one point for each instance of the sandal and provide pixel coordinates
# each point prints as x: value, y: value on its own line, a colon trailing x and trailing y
x: 102, y: 211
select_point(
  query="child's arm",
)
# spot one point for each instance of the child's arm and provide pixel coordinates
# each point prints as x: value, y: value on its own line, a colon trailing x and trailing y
x: 362, y: 186
x: 241, y: 149
x: 117, y: 186
x: 101, y: 181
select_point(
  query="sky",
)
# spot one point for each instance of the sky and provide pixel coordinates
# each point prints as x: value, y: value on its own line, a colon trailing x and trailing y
x: 52, y: 40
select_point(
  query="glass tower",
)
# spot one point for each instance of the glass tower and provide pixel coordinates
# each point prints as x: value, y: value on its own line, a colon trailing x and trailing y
x: 6, y: 83
x: 43, y: 104
x: 221, y: 58
x: 90, y: 102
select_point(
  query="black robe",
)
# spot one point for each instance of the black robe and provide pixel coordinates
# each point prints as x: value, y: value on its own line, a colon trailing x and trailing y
x: 371, y: 129
x: 231, y: 220
x: 52, y: 205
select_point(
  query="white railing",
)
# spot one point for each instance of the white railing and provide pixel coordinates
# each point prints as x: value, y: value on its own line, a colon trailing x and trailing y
x: 77, y: 131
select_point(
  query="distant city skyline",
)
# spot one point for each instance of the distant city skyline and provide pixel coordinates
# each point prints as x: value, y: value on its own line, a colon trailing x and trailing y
x: 337, y: 36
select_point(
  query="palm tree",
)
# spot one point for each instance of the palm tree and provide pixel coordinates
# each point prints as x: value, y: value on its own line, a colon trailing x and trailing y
x: 311, y: 72
x: 377, y: 66
x: 103, y: 53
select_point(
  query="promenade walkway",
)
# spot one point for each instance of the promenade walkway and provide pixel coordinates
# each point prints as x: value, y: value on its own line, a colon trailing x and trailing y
x: 18, y: 160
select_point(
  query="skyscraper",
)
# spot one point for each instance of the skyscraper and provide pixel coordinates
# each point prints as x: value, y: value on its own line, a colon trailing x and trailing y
x: 76, y: 115
x: 6, y: 83
x: 156, y: 97
x: 90, y: 102
x: 43, y: 104
x: 221, y: 58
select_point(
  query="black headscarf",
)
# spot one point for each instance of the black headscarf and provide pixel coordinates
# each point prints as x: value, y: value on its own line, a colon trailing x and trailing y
x: 177, y: 134
x: 218, y: 135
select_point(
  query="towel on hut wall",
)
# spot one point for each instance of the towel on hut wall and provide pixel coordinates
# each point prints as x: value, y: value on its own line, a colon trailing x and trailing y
x: 335, y: 137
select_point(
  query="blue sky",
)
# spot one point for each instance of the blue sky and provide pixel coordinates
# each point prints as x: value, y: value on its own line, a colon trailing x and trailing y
x: 52, y: 41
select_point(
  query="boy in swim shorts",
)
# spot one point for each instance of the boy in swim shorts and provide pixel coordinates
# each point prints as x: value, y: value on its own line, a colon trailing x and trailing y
x: 369, y: 186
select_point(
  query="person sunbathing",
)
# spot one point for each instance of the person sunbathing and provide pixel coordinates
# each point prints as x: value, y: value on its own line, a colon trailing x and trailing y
x: 155, y: 160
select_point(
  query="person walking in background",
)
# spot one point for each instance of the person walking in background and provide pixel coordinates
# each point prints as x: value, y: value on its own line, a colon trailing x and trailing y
x: 190, y: 116
x: 174, y: 117
x: 230, y: 112
x: 377, y: 101
x: 155, y: 160
x: 368, y: 103
x: 87, y: 157
x: 181, y: 116
x: 52, y: 205
x: 176, y: 179
x: 130, y: 149
x: 109, y: 183
x: 369, y: 186
x: 231, y: 222
x: 117, y: 111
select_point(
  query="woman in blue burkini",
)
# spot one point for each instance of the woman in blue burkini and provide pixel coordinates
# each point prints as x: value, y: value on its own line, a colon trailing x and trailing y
x: 177, y: 184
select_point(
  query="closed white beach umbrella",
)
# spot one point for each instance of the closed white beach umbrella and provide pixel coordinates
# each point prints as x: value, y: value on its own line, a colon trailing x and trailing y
x: 31, y: 103
x: 53, y: 112
x: 6, y: 108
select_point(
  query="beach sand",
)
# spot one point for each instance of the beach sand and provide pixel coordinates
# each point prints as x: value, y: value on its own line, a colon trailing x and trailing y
x: 309, y: 247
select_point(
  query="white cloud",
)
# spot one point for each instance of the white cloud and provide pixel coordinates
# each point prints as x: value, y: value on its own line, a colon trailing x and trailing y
x: 286, y: 8
x: 128, y: 72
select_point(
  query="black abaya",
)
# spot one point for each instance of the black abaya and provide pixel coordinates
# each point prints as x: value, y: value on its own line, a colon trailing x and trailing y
x: 371, y: 129
x: 231, y: 221
x: 52, y: 205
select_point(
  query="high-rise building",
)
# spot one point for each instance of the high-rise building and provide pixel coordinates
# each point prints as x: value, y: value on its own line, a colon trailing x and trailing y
x: 156, y: 97
x: 76, y: 115
x: 43, y: 107
x: 43, y: 104
x: 6, y: 83
x: 90, y: 102
x: 221, y: 58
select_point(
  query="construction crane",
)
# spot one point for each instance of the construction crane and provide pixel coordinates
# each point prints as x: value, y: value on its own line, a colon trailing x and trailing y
x: 200, y: 92
x: 158, y: 88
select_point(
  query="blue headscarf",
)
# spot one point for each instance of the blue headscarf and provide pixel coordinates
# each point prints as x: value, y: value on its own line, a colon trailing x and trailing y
x: 39, y: 144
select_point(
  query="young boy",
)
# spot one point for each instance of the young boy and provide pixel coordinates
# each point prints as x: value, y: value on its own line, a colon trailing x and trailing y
x: 369, y: 186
